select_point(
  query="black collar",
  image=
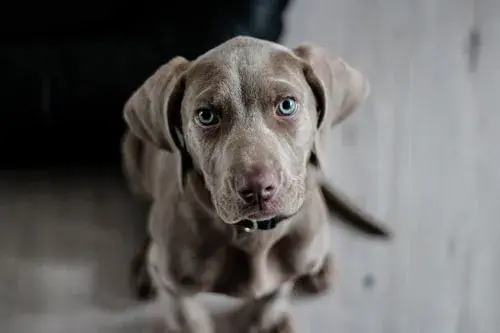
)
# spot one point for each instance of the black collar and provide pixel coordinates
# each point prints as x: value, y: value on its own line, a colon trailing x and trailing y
x: 250, y: 226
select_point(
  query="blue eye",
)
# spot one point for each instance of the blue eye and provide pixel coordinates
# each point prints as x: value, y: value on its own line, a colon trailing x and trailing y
x: 207, y: 117
x: 287, y: 107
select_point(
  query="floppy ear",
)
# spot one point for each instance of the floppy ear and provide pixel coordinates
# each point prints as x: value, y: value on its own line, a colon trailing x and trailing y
x: 153, y: 112
x: 338, y: 89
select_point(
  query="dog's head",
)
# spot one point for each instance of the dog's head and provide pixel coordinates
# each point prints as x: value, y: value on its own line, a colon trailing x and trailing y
x: 247, y: 116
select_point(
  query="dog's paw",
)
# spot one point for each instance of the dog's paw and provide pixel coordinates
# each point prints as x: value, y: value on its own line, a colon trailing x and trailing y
x: 185, y: 315
x: 318, y: 282
x: 284, y: 326
x: 281, y: 325
x: 142, y: 285
x: 267, y: 314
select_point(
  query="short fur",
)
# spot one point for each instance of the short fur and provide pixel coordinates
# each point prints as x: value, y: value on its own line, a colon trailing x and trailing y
x: 189, y: 172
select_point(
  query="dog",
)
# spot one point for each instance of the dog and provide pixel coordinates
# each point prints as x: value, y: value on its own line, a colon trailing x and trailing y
x: 230, y: 150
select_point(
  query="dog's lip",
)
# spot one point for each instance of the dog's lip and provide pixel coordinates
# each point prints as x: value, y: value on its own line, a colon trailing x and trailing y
x: 256, y: 215
x: 267, y: 211
x: 262, y: 216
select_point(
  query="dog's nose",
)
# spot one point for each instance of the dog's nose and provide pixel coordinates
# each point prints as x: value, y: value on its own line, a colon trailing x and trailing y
x: 258, y: 185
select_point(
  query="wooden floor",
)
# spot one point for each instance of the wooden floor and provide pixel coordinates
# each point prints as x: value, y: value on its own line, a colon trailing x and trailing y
x: 423, y: 154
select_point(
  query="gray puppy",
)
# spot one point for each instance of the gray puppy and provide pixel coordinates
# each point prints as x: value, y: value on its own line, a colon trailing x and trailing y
x: 230, y: 149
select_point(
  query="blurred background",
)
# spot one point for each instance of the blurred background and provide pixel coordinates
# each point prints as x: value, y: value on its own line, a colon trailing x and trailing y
x: 422, y: 154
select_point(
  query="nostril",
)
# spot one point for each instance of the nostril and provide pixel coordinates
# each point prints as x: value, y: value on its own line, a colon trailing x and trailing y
x: 248, y: 195
x: 269, y: 188
x: 268, y: 192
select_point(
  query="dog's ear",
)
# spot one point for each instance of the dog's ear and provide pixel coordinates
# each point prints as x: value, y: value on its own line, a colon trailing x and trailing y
x: 338, y: 89
x: 153, y: 112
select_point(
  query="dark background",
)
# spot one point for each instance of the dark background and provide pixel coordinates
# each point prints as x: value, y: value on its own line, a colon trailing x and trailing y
x: 68, y: 68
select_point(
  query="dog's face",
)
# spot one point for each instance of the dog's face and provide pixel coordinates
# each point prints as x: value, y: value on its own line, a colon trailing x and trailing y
x: 246, y: 116
x: 249, y: 118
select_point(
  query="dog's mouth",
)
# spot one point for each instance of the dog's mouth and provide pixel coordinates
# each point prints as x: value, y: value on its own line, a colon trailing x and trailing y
x: 250, y: 225
x: 266, y: 217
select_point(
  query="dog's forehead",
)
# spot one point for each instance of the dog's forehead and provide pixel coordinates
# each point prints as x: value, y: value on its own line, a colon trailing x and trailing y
x: 240, y: 61
x: 244, y: 48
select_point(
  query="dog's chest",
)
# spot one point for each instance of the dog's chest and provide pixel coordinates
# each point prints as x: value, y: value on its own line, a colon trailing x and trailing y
x: 254, y: 273
x: 246, y: 271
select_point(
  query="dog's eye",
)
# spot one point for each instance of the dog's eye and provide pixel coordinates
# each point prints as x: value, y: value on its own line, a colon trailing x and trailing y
x: 287, y: 107
x: 207, y: 117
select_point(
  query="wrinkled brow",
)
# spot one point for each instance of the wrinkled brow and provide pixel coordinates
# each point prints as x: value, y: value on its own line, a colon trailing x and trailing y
x: 284, y: 88
x: 215, y: 95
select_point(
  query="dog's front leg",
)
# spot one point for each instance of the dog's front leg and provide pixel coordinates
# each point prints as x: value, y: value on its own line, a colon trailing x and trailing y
x: 319, y: 277
x: 183, y: 313
x: 266, y: 314
x: 319, y: 280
